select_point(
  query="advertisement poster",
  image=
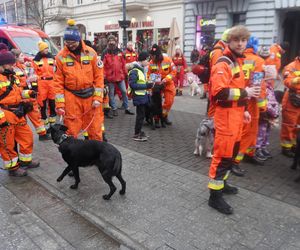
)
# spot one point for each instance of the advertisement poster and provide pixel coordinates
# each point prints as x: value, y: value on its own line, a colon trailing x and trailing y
x: 205, y: 31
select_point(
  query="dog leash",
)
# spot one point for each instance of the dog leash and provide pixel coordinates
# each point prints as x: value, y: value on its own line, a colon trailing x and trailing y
x: 61, y: 118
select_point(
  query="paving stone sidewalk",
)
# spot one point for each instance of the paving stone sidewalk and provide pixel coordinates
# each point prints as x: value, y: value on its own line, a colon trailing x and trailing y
x: 165, y: 206
x: 22, y: 229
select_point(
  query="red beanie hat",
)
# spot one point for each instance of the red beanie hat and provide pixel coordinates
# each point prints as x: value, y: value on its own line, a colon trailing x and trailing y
x: 6, y: 57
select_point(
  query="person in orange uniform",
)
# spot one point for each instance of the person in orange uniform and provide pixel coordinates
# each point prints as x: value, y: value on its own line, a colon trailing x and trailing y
x: 215, y: 54
x: 28, y: 80
x: 253, y: 68
x: 229, y: 93
x: 164, y: 71
x: 290, y: 106
x: 13, y: 125
x: 79, y: 85
x: 44, y: 68
x: 180, y: 63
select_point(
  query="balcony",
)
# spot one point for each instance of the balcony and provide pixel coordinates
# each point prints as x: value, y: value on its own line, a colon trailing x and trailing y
x: 60, y: 12
x: 130, y: 4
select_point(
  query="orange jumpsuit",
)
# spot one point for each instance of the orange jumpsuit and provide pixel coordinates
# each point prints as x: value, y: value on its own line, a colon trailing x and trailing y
x: 35, y: 115
x: 76, y: 74
x: 274, y: 59
x: 252, y: 64
x: 180, y: 63
x: 215, y: 54
x: 229, y: 95
x: 290, y: 112
x: 18, y: 130
x: 165, y: 70
x: 44, y: 69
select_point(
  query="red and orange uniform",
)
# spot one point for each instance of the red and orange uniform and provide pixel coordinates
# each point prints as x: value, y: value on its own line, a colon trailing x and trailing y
x: 180, y: 63
x: 166, y: 71
x: 290, y: 104
x: 229, y: 96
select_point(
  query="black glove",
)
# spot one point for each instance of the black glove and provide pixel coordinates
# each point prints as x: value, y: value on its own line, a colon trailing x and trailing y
x: 33, y: 94
x: 4, y: 124
x: 150, y: 85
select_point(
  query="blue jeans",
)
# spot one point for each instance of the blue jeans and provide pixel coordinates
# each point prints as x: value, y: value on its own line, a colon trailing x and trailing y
x: 112, y: 101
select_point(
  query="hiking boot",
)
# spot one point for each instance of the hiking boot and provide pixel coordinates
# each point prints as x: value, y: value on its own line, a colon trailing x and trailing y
x: 17, y: 172
x: 203, y: 96
x: 167, y: 121
x: 229, y: 189
x: 266, y: 153
x: 256, y: 160
x: 30, y: 164
x: 259, y: 155
x: 45, y: 137
x: 115, y: 112
x: 138, y: 137
x: 108, y: 114
x: 236, y: 170
x: 128, y: 112
x: 180, y: 92
x: 177, y: 92
x: 144, y: 134
x: 288, y: 153
x: 217, y: 202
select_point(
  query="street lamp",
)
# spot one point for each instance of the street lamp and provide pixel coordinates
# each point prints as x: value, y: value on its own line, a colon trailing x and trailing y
x: 124, y: 24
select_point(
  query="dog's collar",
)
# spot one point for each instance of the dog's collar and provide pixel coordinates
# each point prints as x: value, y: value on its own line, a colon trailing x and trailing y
x: 62, y: 139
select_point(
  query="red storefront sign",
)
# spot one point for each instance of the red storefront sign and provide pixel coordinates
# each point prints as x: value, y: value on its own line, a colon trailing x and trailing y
x: 140, y: 24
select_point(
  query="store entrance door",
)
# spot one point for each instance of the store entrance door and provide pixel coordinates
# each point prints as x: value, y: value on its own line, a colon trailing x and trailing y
x: 291, y: 28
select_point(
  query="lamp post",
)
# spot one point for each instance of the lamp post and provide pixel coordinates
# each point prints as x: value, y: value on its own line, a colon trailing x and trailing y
x: 124, y: 24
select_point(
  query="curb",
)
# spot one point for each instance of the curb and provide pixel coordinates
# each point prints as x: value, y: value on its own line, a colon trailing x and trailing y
x: 126, y: 242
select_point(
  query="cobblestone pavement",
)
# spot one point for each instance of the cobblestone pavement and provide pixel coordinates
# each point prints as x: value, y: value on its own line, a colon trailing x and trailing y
x: 175, y: 145
x: 165, y: 207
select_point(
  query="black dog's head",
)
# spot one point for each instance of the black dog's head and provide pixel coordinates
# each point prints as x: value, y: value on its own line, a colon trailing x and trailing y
x: 157, y: 88
x: 58, y: 133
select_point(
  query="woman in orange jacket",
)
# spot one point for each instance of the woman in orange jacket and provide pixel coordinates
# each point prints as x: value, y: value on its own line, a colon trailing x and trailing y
x: 13, y: 125
x: 164, y: 71
x: 180, y: 63
x: 44, y: 65
x: 28, y: 81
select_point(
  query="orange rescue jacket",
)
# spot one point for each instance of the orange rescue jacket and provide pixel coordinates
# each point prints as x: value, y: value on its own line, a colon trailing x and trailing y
x: 291, y: 74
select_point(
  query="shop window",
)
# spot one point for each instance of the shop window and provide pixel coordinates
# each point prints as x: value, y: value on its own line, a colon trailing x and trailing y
x: 163, y: 39
x: 144, y: 40
x: 205, y: 31
x: 238, y: 19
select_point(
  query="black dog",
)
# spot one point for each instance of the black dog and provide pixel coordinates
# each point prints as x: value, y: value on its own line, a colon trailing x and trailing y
x: 297, y: 156
x: 82, y: 153
x: 154, y: 110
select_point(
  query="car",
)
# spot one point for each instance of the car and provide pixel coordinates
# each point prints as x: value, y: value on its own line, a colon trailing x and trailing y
x: 25, y: 39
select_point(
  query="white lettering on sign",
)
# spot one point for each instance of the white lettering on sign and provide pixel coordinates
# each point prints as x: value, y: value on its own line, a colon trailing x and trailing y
x: 204, y: 22
x: 139, y: 24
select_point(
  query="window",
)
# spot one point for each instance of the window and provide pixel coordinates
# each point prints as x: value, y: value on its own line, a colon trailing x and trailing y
x: 52, y: 3
x: 79, y: 1
x: 64, y: 2
x: 238, y: 19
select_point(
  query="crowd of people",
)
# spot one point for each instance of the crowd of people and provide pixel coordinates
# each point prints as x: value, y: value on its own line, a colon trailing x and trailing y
x: 81, y: 87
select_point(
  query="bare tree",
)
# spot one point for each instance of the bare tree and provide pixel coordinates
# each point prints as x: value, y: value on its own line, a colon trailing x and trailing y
x: 39, y: 15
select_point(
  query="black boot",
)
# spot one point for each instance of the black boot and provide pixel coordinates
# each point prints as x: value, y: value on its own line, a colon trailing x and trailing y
x: 217, y: 202
x: 167, y: 121
x: 108, y: 113
x: 157, y: 124
x: 177, y: 92
x: 229, y: 189
x: 236, y: 170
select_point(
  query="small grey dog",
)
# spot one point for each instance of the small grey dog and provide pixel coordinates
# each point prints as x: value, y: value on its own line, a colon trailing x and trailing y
x: 205, y: 137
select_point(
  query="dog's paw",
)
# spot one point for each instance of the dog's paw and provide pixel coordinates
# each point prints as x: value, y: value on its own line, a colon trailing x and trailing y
x: 74, y: 186
x: 106, y: 197
x: 71, y: 174
x: 122, y: 192
x: 59, y: 179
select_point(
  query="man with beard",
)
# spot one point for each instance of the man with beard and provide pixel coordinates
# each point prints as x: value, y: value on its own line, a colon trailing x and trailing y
x: 229, y: 94
x: 79, y: 85
x: 114, y: 74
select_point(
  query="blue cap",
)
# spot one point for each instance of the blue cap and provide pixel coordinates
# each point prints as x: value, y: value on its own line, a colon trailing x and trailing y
x: 71, y: 32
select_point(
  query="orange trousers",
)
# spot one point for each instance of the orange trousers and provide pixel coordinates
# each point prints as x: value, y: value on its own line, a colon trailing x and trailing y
x: 18, y: 132
x: 81, y: 115
x: 250, y: 131
x: 169, y: 95
x: 290, y: 118
x: 228, y: 126
x: 35, y: 118
x: 46, y: 91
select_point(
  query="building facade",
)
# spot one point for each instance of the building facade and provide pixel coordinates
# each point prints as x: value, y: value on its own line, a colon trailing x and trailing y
x: 270, y: 20
x: 150, y: 19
